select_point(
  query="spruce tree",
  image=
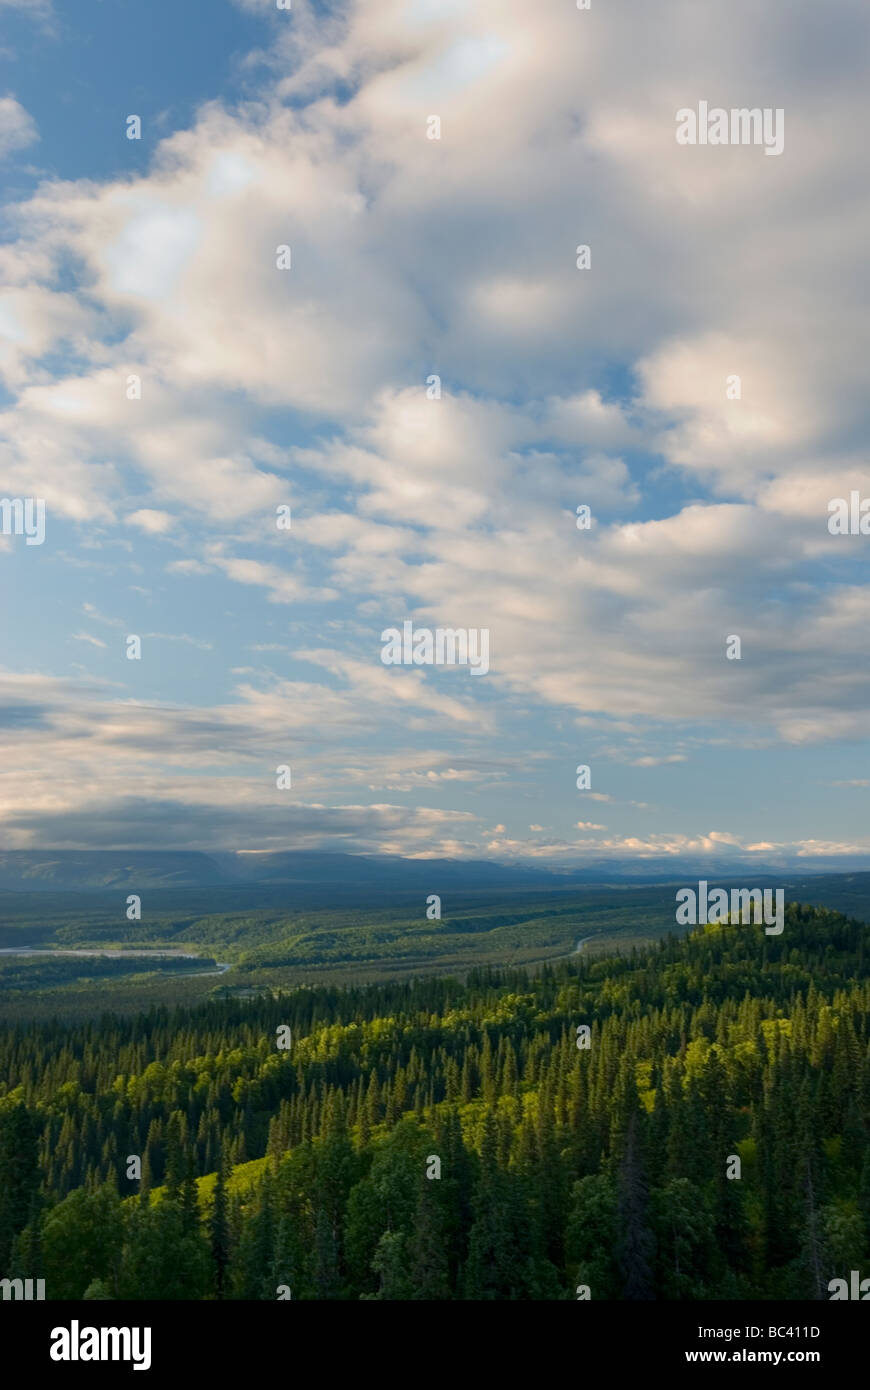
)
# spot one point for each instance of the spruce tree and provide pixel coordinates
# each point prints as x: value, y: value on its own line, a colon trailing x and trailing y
x: 219, y: 1231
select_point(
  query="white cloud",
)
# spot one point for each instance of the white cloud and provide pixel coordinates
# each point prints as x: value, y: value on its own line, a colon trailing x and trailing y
x: 152, y: 522
x: 17, y: 127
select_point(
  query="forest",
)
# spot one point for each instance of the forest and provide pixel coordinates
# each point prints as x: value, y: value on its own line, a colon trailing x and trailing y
x: 446, y: 1139
x: 368, y: 940
x: 279, y: 935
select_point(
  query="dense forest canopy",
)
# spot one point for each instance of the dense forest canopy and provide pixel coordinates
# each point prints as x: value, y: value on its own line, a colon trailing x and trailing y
x: 440, y: 1139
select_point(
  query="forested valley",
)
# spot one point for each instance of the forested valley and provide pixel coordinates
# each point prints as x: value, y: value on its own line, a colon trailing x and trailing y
x: 444, y: 1139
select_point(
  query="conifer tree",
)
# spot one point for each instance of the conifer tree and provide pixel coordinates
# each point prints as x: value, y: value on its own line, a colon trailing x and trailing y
x: 219, y: 1230
x: 19, y: 1173
x: 636, y: 1244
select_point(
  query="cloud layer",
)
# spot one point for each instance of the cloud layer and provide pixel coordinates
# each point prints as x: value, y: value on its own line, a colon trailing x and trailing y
x: 436, y: 387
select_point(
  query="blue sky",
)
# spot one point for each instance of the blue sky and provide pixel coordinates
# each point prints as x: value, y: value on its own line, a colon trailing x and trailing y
x: 412, y: 256
x: 85, y: 65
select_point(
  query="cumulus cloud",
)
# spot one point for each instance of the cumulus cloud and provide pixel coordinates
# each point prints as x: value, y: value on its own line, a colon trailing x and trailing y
x: 456, y: 258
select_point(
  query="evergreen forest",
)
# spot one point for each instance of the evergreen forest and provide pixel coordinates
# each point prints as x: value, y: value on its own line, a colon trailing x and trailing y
x: 688, y: 1120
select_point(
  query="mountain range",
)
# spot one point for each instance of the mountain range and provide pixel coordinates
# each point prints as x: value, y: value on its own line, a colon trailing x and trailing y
x: 94, y: 870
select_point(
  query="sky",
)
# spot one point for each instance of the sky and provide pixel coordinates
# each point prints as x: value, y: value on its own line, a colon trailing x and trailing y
x: 611, y: 386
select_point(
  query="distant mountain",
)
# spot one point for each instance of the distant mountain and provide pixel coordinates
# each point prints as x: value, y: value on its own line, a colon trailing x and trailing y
x: 93, y: 870
x: 390, y: 870
x: 28, y: 871
x: 31, y: 871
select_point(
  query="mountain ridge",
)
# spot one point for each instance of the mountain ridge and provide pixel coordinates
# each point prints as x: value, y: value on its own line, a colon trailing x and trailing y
x: 113, y: 870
